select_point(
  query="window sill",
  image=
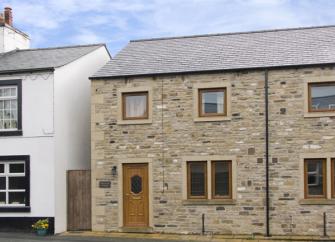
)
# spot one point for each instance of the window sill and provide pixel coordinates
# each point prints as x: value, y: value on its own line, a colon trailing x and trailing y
x: 14, y: 209
x: 212, y: 119
x: 319, y: 114
x: 209, y: 202
x: 134, y: 121
x: 11, y: 133
x: 317, y: 201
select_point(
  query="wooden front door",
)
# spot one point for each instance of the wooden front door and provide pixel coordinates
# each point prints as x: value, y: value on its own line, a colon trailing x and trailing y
x: 135, y: 195
x: 79, y: 200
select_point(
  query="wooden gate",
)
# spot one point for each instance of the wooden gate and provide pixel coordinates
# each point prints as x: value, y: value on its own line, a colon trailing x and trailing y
x: 79, y: 200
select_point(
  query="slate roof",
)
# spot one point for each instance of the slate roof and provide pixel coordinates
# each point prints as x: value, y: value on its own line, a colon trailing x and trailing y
x: 43, y: 58
x: 229, y: 51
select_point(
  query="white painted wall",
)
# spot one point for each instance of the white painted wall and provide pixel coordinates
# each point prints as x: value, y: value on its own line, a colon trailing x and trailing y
x: 11, y: 39
x: 56, y: 132
x: 72, y: 123
x: 37, y: 141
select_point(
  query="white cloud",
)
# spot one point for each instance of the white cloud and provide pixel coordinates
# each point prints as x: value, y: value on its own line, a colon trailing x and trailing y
x: 117, y: 21
x: 85, y: 36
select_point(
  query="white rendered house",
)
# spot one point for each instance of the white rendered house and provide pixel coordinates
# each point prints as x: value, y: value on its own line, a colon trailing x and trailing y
x: 44, y: 125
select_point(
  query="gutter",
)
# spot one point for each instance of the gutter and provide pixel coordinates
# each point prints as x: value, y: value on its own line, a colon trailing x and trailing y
x: 267, y: 187
x: 26, y: 70
x: 261, y: 68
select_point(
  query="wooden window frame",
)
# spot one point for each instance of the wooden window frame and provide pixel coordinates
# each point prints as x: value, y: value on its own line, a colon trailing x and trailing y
x: 200, y: 111
x: 324, y: 179
x: 123, y: 98
x: 189, y: 196
x: 213, y: 167
x: 332, y: 173
x: 317, y: 84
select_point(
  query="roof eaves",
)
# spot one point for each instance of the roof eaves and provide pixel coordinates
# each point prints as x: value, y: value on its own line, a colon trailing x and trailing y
x: 62, y: 47
x: 213, y: 71
x: 17, y: 71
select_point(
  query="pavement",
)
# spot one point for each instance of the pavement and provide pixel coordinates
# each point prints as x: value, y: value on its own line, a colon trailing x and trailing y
x: 132, y: 237
x: 25, y: 237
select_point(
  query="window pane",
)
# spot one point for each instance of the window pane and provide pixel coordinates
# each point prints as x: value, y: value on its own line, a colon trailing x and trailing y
x: 2, y: 198
x: 6, y: 92
x: 221, y: 178
x: 135, y: 105
x: 13, y: 92
x: 8, y: 108
x: 323, y: 97
x: 16, y: 198
x: 16, y: 168
x: 212, y: 102
x: 136, y: 184
x: 2, y: 183
x: 315, y: 177
x: 17, y: 182
x: 2, y: 168
x: 197, y: 179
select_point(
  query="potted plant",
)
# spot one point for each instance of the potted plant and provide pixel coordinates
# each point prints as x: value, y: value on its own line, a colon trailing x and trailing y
x: 41, y: 227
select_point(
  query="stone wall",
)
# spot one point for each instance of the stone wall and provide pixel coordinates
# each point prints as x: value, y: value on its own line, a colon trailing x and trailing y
x: 173, y: 135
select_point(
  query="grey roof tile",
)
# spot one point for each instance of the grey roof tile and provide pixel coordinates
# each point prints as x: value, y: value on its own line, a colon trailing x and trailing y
x: 43, y: 58
x: 244, y: 50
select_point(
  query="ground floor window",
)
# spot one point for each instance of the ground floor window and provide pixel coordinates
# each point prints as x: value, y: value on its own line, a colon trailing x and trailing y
x: 197, y: 179
x: 14, y: 183
x: 209, y: 179
x: 315, y: 178
x: 221, y: 179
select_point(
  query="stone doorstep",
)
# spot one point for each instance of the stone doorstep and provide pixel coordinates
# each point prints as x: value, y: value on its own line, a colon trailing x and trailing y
x: 213, y: 238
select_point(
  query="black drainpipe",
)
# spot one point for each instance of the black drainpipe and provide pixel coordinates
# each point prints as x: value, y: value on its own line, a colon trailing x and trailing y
x: 267, y: 189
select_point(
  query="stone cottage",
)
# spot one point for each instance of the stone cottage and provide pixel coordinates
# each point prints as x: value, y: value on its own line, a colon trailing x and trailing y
x: 226, y: 133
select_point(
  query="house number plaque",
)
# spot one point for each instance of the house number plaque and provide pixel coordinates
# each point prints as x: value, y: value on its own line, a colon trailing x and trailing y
x: 105, y: 184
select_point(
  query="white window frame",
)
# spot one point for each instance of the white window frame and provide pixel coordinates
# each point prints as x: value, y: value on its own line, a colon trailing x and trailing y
x: 8, y: 98
x: 7, y: 174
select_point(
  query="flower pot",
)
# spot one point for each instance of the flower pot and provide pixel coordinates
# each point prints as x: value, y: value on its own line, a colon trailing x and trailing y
x: 41, y: 232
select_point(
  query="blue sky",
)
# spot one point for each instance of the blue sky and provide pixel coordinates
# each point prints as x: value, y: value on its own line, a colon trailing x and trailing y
x: 115, y: 22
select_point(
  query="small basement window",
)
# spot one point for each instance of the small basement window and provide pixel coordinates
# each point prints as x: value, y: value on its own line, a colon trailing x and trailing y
x: 321, y: 97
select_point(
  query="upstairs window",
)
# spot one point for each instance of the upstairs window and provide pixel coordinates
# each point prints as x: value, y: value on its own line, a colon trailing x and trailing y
x: 135, y: 105
x: 10, y: 108
x: 315, y: 178
x: 212, y: 102
x: 321, y: 97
